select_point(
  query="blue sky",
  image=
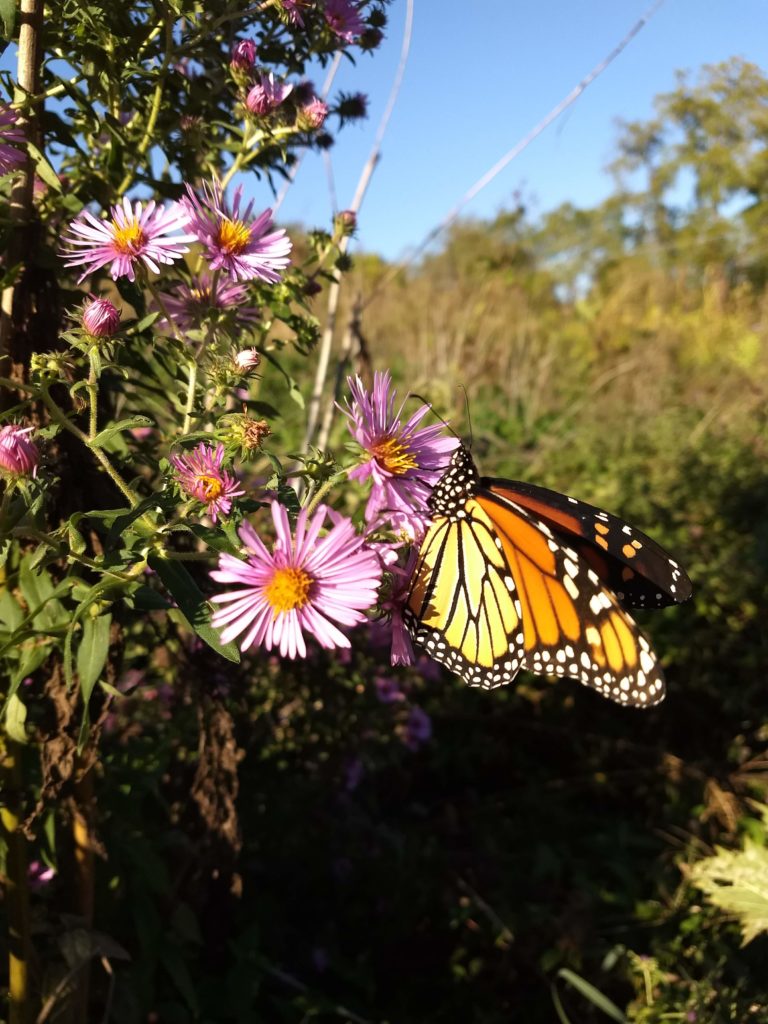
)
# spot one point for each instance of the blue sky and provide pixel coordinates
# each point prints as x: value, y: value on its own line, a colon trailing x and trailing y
x: 481, y: 74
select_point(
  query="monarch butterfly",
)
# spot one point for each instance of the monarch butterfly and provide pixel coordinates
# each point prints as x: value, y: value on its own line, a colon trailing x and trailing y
x: 511, y: 576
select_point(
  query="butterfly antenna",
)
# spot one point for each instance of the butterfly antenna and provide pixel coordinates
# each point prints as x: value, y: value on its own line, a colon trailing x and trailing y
x: 445, y: 423
x: 469, y: 418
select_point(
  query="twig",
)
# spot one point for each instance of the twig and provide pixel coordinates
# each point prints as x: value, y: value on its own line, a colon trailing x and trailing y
x: 20, y: 207
x: 313, y: 412
x: 516, y: 150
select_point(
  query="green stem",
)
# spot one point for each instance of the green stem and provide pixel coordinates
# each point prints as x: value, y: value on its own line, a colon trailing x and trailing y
x: 323, y: 490
x: 17, y: 887
x: 157, y: 102
x: 109, y: 469
x: 93, y: 396
x: 190, y: 404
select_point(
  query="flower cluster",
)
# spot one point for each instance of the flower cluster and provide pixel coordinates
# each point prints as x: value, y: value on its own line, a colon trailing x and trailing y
x: 311, y: 583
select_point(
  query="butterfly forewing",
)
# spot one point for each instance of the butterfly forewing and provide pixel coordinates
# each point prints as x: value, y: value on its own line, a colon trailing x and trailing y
x: 631, y: 564
x: 463, y: 617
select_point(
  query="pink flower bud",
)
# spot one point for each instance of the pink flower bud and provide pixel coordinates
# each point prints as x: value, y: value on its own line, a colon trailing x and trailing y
x: 18, y: 455
x: 243, y: 55
x: 247, y: 360
x: 346, y: 222
x: 266, y: 95
x: 312, y: 115
x: 101, y: 319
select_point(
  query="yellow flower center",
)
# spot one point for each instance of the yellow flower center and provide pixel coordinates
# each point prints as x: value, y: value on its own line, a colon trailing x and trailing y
x: 393, y: 456
x: 210, y: 486
x: 288, y: 589
x: 128, y: 238
x: 234, y: 236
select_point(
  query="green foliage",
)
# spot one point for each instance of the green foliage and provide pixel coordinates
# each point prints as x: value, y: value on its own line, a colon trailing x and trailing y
x: 737, y: 882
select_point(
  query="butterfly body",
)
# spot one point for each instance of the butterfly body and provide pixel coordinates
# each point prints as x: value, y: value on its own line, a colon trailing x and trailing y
x: 511, y: 576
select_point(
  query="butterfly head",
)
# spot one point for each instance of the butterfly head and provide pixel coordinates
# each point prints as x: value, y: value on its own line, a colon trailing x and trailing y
x: 456, y: 484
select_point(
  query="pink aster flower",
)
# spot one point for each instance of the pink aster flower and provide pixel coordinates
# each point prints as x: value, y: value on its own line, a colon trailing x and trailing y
x: 243, y: 55
x: 344, y: 19
x: 206, y: 298
x: 307, y: 584
x: 267, y: 95
x: 18, y: 455
x: 403, y: 460
x: 101, y: 318
x: 134, y: 234
x: 200, y: 475
x: 242, y: 247
x: 10, y: 137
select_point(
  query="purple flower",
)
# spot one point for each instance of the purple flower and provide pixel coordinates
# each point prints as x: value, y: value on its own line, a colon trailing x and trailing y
x: 18, y: 455
x: 388, y: 689
x: 243, y: 248
x: 10, y: 137
x: 135, y: 234
x: 267, y: 95
x: 305, y: 585
x: 39, y: 875
x: 243, y: 55
x: 343, y: 18
x: 200, y: 475
x: 191, y: 305
x: 101, y: 318
x: 417, y: 729
x: 392, y: 604
x: 294, y: 10
x: 403, y: 460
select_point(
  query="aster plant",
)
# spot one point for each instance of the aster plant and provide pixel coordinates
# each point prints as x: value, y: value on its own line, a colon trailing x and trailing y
x: 147, y: 514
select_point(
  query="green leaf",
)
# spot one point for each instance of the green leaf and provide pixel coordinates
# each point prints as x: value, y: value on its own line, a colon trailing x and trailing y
x: 116, y: 428
x: 594, y: 995
x: 737, y: 882
x: 15, y: 717
x: 11, y: 614
x: 43, y: 168
x: 192, y: 604
x: 92, y: 653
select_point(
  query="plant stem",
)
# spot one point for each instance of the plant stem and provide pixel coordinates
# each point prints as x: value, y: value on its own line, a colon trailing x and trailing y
x: 93, y: 397
x: 190, y: 405
x: 109, y: 469
x: 157, y: 100
x: 17, y: 890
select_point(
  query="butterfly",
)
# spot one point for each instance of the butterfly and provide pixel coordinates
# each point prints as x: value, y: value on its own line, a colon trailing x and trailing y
x: 513, y: 576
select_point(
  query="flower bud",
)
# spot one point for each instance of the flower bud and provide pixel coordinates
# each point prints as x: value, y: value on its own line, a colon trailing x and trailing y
x: 345, y: 223
x: 100, y: 318
x: 371, y: 39
x: 352, y: 106
x: 18, y: 455
x: 266, y: 95
x: 312, y: 115
x: 247, y: 433
x: 247, y: 360
x: 243, y: 55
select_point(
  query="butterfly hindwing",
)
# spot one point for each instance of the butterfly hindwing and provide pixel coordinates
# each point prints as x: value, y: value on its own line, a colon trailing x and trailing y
x: 573, y: 625
x: 631, y: 564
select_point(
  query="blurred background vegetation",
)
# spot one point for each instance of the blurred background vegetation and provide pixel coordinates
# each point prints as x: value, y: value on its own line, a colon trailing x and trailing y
x: 334, y: 840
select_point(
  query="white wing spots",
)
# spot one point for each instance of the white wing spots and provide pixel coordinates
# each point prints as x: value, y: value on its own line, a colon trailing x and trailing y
x: 600, y: 602
x: 571, y: 588
x: 571, y: 567
x: 627, y: 529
